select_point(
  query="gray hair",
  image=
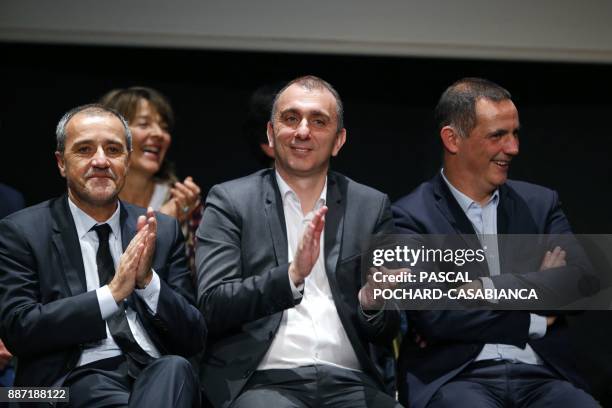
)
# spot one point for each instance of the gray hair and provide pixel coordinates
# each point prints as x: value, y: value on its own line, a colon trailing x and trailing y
x: 311, y: 82
x: 90, y: 109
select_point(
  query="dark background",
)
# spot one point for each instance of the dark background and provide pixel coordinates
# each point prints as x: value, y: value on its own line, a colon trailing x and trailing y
x: 565, y: 112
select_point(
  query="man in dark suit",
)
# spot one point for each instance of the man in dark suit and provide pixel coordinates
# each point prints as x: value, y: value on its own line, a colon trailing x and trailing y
x: 95, y: 294
x: 486, y: 358
x: 278, y: 260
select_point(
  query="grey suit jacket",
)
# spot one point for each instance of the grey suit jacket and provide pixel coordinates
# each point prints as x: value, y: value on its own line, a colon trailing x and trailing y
x: 243, y: 282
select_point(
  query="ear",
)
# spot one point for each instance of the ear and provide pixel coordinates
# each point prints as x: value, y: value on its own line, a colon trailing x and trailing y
x: 61, y: 165
x: 267, y: 150
x: 270, y: 134
x: 451, y: 139
x: 340, y: 140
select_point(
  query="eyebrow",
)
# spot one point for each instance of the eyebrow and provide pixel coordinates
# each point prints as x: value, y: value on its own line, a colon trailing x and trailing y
x: 90, y: 141
x: 289, y: 110
x: 319, y: 113
x: 315, y: 112
x: 499, y: 132
x: 150, y: 116
x: 503, y: 131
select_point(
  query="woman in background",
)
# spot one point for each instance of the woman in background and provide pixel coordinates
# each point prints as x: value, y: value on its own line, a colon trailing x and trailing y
x: 151, y: 180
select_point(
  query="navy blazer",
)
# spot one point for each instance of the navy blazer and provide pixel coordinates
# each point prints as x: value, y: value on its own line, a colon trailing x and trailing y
x: 455, y: 338
x: 47, y: 315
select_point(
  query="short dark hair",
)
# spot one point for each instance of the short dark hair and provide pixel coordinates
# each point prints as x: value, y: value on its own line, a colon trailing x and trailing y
x: 126, y: 100
x: 311, y: 82
x: 457, y: 105
x: 90, y: 109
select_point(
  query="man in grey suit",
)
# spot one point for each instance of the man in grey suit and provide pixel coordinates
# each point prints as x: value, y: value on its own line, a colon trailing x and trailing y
x: 278, y: 259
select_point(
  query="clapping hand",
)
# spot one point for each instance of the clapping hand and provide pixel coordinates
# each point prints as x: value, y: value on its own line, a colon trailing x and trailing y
x: 185, y: 198
x: 366, y: 294
x: 134, y: 268
x: 144, y: 273
x: 308, y: 249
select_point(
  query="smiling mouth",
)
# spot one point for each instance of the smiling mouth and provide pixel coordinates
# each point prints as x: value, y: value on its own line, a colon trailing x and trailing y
x: 302, y: 150
x: 504, y: 164
x: 151, y: 150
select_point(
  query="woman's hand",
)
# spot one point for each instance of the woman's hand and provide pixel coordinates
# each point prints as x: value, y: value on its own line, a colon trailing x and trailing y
x: 185, y: 198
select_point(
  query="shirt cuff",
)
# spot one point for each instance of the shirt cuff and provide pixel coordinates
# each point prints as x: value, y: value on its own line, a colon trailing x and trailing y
x: 298, y: 291
x: 106, y: 301
x: 537, y: 326
x: 150, y: 294
x: 487, y: 283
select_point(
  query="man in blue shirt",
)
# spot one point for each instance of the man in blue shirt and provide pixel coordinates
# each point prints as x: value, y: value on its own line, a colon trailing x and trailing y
x: 486, y: 358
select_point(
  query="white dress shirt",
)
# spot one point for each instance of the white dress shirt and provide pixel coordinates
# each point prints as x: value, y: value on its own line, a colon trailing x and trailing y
x: 311, y: 332
x: 484, y: 221
x: 88, y: 240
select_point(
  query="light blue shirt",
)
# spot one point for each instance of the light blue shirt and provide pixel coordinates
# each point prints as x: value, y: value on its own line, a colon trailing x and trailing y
x: 484, y: 221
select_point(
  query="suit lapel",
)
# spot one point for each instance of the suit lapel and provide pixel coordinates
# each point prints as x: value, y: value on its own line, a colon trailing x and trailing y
x: 449, y: 207
x: 334, y: 225
x: 67, y: 244
x: 452, y: 211
x: 273, y: 207
x: 505, y: 209
x: 128, y: 226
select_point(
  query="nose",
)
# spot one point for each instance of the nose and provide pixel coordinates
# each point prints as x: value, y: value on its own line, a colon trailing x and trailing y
x: 303, y: 130
x: 157, y: 129
x: 100, y: 159
x: 511, y: 145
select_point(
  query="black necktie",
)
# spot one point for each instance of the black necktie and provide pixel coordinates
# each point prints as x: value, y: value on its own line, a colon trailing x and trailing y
x: 118, y: 325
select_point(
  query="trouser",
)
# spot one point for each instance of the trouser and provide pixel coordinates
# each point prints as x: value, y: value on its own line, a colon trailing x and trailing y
x: 168, y: 381
x: 503, y: 384
x: 313, y: 386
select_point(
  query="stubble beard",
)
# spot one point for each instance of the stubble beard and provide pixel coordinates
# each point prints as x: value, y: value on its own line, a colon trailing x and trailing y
x: 85, y: 195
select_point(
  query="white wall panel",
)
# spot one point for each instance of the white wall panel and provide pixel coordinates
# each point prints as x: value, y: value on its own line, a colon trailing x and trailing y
x: 561, y: 30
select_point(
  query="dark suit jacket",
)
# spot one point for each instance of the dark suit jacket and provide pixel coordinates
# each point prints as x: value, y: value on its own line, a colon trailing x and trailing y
x: 455, y: 338
x: 243, y: 282
x: 11, y: 200
x: 46, y: 314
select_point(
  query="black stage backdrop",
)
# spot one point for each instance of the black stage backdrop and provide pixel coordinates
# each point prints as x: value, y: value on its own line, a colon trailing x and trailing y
x: 565, y: 112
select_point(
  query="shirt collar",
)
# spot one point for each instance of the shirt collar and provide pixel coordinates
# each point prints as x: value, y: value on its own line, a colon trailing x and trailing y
x: 464, y: 201
x: 84, y: 222
x: 287, y: 191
